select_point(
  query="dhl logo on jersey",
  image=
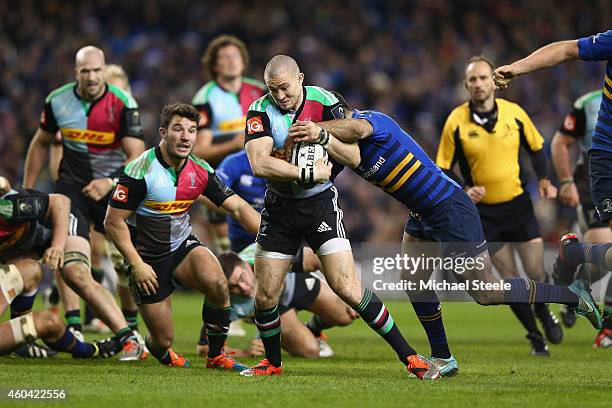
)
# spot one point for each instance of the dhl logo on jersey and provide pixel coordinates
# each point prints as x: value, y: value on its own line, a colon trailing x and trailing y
x: 233, y: 124
x: 88, y: 136
x: 168, y: 207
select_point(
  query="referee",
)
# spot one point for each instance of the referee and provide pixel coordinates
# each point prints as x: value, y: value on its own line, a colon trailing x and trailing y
x: 484, y: 136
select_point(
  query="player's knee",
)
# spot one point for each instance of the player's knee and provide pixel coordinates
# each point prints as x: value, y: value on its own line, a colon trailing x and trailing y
x: 49, y: 325
x: 76, y: 275
x: 310, y: 350
x: 31, y: 272
x: 265, y: 299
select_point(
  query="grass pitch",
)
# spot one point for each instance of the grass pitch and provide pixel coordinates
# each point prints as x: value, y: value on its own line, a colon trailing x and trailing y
x: 496, y: 369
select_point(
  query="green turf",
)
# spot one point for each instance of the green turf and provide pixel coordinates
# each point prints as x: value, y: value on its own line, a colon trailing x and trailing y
x: 496, y: 370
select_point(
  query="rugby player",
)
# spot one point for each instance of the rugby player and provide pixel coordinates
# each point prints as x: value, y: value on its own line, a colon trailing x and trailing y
x: 301, y: 291
x: 154, y: 195
x: 573, y: 253
x: 577, y: 128
x: 293, y: 212
x: 484, y: 136
x: 440, y: 211
x: 100, y: 127
x: 223, y: 103
x: 25, y: 235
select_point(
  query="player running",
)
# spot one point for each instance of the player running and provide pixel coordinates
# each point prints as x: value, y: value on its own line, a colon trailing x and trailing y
x: 154, y: 195
x: 100, y: 127
x: 292, y: 212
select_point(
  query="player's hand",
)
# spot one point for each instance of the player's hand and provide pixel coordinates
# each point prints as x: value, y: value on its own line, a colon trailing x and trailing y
x: 238, y: 141
x: 54, y: 257
x: 98, y: 189
x: 568, y: 194
x: 476, y: 193
x: 304, y: 131
x: 5, y: 186
x: 322, y: 171
x: 145, y: 278
x: 503, y: 75
x: 547, y: 190
x: 256, y: 348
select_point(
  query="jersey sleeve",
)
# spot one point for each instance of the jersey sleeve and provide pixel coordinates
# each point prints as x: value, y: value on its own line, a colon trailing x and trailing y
x: 226, y: 172
x: 47, y: 119
x: 574, y: 123
x: 335, y: 110
x: 130, y: 123
x: 206, y: 115
x: 445, y: 157
x: 216, y: 190
x: 596, y: 47
x: 257, y: 125
x: 129, y: 193
x: 531, y: 138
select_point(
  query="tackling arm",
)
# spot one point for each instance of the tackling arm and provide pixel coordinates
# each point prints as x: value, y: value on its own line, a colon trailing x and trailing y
x: 268, y: 167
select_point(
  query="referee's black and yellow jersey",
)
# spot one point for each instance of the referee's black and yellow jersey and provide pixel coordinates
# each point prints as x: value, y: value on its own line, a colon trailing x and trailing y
x: 489, y: 159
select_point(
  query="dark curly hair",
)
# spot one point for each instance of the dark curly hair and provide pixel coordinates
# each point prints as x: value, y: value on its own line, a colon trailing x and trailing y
x: 184, y: 110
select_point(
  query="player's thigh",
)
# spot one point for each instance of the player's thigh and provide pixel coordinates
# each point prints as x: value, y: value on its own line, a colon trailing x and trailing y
x: 296, y: 338
x: 158, y: 319
x: 503, y: 260
x: 600, y: 176
x: 330, y: 307
x: 200, y: 270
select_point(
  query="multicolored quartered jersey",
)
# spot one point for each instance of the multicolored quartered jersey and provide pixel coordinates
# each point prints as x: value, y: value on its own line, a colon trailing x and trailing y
x: 599, y: 48
x: 161, y: 199
x: 12, y: 233
x: 393, y: 161
x: 224, y: 112
x: 266, y: 119
x: 91, y: 131
x: 581, y: 121
x: 235, y: 171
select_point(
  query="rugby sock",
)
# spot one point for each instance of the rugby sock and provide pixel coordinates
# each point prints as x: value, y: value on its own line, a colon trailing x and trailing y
x: 124, y: 335
x: 576, y: 253
x: 375, y: 314
x: 131, y: 317
x: 216, y: 320
x: 524, y: 314
x: 528, y: 291
x: 22, y: 304
x: 429, y: 312
x: 203, y: 336
x: 163, y: 356
x: 73, y: 319
x: 316, y: 325
x: 268, y: 324
x: 70, y: 344
x: 608, y: 306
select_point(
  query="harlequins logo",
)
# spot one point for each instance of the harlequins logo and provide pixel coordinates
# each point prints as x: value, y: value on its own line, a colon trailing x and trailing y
x: 192, y: 177
x: 606, y: 205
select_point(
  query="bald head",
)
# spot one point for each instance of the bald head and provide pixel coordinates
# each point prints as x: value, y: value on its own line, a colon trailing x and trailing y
x: 89, y: 67
x: 281, y: 64
x: 284, y: 80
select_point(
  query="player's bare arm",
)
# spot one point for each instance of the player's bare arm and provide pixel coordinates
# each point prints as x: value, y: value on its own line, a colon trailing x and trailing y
x: 560, y: 150
x: 59, y: 213
x: 38, y: 153
x: 345, y: 153
x: 272, y: 168
x: 242, y: 212
x: 545, y: 57
x: 205, y: 149
x: 348, y: 130
x: 117, y: 230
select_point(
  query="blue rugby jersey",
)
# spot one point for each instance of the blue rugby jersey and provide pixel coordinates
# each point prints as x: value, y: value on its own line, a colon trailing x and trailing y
x: 235, y: 171
x: 599, y: 48
x: 394, y: 162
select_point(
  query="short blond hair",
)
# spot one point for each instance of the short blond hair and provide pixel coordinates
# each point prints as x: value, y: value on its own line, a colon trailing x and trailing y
x: 117, y: 71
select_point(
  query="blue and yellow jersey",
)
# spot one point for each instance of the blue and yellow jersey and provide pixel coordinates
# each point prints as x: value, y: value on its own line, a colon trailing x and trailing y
x: 394, y: 162
x: 489, y: 158
x: 599, y: 48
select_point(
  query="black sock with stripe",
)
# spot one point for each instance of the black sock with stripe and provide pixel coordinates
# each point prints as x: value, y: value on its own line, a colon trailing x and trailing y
x: 525, y: 315
x: 268, y: 324
x: 131, y: 317
x: 316, y: 325
x: 375, y: 314
x: 216, y: 320
x: 73, y: 319
x: 529, y: 291
x: 161, y: 356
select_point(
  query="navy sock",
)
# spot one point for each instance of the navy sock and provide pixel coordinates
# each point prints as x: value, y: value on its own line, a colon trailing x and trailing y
x: 216, y: 319
x: 203, y: 336
x: 375, y: 314
x: 524, y: 314
x: 429, y: 313
x: 70, y: 344
x: 73, y: 319
x: 268, y: 324
x: 576, y: 253
x: 528, y: 291
x: 22, y: 304
x: 131, y: 317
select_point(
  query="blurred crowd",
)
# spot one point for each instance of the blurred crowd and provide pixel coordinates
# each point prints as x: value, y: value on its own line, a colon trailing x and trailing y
x: 405, y: 58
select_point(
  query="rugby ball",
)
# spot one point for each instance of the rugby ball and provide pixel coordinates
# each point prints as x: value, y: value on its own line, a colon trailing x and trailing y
x: 306, y: 154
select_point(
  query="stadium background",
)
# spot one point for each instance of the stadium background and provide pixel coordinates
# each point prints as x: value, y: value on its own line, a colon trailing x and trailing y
x: 405, y: 58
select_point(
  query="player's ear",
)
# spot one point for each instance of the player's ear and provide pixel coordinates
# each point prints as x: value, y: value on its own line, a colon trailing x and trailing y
x: 162, y: 132
x: 300, y: 78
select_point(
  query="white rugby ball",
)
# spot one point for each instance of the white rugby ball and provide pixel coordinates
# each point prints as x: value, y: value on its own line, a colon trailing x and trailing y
x: 306, y: 154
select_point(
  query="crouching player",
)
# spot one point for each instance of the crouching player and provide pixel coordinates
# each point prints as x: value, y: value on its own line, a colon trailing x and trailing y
x: 23, y: 238
x: 301, y: 291
x: 154, y: 195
